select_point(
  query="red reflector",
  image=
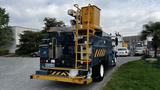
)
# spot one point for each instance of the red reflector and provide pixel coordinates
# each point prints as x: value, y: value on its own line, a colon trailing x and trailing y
x: 86, y: 62
x: 42, y: 61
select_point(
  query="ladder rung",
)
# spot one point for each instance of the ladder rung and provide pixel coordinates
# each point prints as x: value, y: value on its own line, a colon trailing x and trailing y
x: 82, y: 44
x: 82, y: 52
x: 83, y: 60
x: 84, y: 35
x: 82, y: 68
x: 91, y: 29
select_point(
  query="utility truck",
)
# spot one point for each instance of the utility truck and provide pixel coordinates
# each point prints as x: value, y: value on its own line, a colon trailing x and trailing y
x: 79, y: 55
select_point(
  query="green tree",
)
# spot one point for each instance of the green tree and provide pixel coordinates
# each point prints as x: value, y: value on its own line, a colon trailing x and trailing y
x: 52, y: 22
x: 5, y: 30
x: 152, y: 29
x: 29, y: 42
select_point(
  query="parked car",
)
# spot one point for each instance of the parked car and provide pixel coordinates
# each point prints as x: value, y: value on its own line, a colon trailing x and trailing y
x: 139, y: 51
x: 123, y: 52
x: 35, y: 54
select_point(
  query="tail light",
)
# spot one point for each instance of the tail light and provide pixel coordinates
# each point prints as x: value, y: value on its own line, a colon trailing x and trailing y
x: 47, y: 61
x: 42, y: 61
x: 84, y: 62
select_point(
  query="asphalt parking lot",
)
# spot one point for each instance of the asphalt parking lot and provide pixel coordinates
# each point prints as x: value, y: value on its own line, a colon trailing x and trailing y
x: 15, y: 75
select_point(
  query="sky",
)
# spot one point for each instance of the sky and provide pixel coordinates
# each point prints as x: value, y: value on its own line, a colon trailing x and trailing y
x: 124, y: 16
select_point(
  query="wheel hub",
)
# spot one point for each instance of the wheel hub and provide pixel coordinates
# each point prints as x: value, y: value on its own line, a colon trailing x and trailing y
x: 101, y: 70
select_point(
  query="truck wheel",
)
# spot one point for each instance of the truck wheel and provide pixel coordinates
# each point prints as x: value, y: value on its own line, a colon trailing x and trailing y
x: 98, y: 72
x: 33, y: 55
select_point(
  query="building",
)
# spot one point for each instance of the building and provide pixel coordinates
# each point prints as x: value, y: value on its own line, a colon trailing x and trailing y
x: 17, y: 30
x: 133, y: 40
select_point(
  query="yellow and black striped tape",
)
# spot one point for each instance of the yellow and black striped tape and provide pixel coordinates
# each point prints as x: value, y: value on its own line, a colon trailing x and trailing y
x: 60, y: 73
x: 100, y: 53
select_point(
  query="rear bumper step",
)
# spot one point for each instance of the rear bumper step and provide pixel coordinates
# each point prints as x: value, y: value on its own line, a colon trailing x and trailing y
x: 75, y: 80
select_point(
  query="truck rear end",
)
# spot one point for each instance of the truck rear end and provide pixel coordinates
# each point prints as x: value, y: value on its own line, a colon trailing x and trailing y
x: 76, y: 56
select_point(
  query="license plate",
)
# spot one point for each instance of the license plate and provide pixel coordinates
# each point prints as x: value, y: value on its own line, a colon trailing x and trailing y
x: 49, y: 65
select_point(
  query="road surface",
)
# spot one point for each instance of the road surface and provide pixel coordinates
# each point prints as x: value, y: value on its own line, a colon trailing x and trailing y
x: 15, y: 75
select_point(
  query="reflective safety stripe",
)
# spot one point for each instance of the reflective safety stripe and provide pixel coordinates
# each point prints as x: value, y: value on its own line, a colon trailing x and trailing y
x: 60, y: 73
x: 100, y: 53
x: 63, y: 74
x: 54, y: 73
x: 95, y: 55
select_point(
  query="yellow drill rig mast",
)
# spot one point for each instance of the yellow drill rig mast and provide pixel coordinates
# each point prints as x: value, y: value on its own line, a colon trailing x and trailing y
x: 87, y: 23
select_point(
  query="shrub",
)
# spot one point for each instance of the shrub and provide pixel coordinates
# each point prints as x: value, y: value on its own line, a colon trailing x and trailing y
x: 145, y: 56
x: 4, y: 51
